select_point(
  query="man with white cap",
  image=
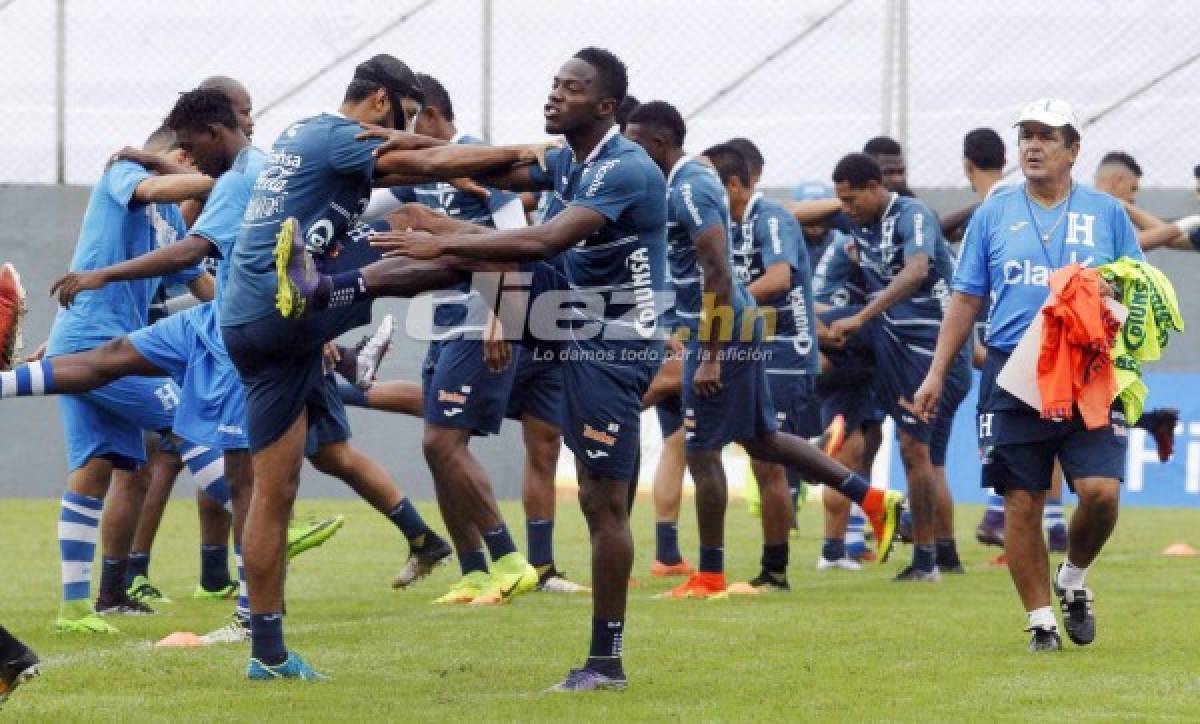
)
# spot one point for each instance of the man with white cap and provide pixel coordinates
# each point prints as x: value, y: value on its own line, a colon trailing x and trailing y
x: 1017, y: 238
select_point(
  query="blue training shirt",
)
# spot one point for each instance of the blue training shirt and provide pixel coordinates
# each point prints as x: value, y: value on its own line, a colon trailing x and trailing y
x: 1003, y: 253
x: 116, y: 228
x: 767, y: 235
x: 696, y: 202
x: 616, y: 273
x: 317, y: 172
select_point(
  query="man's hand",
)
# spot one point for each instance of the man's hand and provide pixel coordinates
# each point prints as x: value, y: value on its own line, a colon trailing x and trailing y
x: 925, y: 401
x: 707, y: 381
x: 536, y: 152
x: 842, y: 329
x: 331, y: 355
x: 75, y: 282
x: 394, y: 140
x: 471, y: 187
x: 413, y: 244
x: 497, y: 351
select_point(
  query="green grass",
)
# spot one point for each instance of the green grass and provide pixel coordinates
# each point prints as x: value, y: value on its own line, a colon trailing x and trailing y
x: 842, y: 646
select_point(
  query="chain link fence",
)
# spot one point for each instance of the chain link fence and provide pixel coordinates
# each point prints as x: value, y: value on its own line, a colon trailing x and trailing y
x: 808, y: 80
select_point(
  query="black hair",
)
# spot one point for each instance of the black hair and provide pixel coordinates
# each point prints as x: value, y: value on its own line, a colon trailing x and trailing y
x: 984, y: 148
x: 199, y: 108
x: 1070, y: 135
x: 750, y: 152
x: 662, y: 115
x: 883, y: 146
x: 625, y: 110
x: 436, y: 95
x: 610, y: 71
x: 387, y: 72
x: 1121, y: 158
x: 729, y: 163
x: 857, y: 169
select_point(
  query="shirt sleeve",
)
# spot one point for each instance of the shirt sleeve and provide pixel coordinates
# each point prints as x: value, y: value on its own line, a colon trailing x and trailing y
x: 780, y: 240
x: 697, y: 207
x: 972, y: 276
x: 122, y: 179
x: 832, y: 272
x: 918, y: 228
x: 221, y: 219
x: 1124, y: 235
x: 543, y: 178
x: 404, y: 194
x: 611, y: 186
x: 349, y: 156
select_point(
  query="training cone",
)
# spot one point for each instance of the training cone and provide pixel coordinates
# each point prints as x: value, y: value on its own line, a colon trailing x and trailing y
x: 181, y: 639
x: 1180, y: 549
x: 742, y: 589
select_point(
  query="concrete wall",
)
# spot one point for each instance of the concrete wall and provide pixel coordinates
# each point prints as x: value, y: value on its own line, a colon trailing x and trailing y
x: 38, y: 227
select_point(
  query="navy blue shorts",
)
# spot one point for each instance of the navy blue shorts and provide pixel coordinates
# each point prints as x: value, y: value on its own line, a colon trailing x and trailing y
x: 1019, y: 447
x: 958, y: 384
x: 602, y: 405
x: 670, y: 415
x: 280, y: 363
x: 537, y: 388
x: 742, y: 410
x: 845, y: 389
x: 327, y: 421
x: 797, y: 409
x: 459, y: 390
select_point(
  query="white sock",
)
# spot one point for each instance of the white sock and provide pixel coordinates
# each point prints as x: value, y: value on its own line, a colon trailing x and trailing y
x: 1043, y: 618
x: 1070, y: 577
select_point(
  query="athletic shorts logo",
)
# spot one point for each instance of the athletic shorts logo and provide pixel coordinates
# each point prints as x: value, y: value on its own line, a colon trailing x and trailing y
x: 452, y: 411
x: 604, y: 438
x: 454, y: 397
x: 593, y: 454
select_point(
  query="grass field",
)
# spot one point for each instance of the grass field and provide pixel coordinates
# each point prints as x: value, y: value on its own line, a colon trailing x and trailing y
x: 841, y: 647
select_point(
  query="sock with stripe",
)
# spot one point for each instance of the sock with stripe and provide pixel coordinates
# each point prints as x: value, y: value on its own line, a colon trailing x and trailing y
x: 608, y: 643
x: 32, y: 379
x: 540, y: 533
x: 408, y: 519
x: 856, y: 540
x: 214, y: 567
x: 78, y: 529
x: 666, y: 543
x: 994, y: 516
x: 339, y: 290
x: 207, y: 467
x: 1053, y: 515
x: 243, y: 599
x: 499, y: 542
x: 266, y: 638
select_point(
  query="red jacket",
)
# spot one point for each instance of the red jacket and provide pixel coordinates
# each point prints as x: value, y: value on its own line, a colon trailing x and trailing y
x: 1074, y: 366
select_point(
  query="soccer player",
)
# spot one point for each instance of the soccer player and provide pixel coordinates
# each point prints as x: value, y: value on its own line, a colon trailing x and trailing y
x: 888, y: 153
x: 18, y: 664
x: 906, y: 265
x: 311, y: 192
x: 130, y: 211
x: 1038, y: 227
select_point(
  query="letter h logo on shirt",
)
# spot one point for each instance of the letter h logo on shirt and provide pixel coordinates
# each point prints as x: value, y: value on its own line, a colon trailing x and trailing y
x: 1079, y: 229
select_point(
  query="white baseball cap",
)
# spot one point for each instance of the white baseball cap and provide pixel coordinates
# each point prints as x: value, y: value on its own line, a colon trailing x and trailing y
x: 1051, y: 112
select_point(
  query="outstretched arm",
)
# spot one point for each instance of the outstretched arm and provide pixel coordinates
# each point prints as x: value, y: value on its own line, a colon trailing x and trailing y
x: 162, y: 261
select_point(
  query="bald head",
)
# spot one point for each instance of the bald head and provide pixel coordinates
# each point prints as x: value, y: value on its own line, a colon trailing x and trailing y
x: 238, y: 97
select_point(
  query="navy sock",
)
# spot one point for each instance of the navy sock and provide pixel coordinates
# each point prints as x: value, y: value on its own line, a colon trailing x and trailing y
x: 834, y: 549
x: 408, y: 520
x: 712, y: 560
x: 340, y: 290
x: 608, y: 642
x: 8, y: 643
x: 112, y: 576
x: 540, y: 534
x: 775, y: 559
x: 499, y: 542
x: 139, y: 565
x: 855, y: 487
x: 266, y: 638
x: 666, y: 543
x: 471, y: 561
x: 351, y: 395
x: 214, y: 567
x: 924, y: 557
x: 947, y: 552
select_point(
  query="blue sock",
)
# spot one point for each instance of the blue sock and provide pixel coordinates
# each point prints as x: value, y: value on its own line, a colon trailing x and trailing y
x: 1053, y: 515
x: 408, y: 520
x: 214, y: 567
x: 112, y: 576
x: 31, y: 379
x: 207, y: 468
x: 833, y: 549
x: 608, y: 642
x: 471, y: 561
x: 340, y: 290
x: 924, y: 557
x: 712, y: 560
x: 139, y: 565
x: 499, y: 542
x: 243, y: 599
x: 541, y: 542
x: 266, y: 638
x: 666, y: 543
x: 78, y: 528
x: 351, y: 395
x: 854, y: 487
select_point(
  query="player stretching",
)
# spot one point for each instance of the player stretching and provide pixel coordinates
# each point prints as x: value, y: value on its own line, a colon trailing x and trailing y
x: 1038, y: 227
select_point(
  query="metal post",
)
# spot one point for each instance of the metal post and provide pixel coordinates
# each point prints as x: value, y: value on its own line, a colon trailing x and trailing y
x: 889, y: 60
x: 485, y: 75
x: 902, y: 73
x: 60, y: 91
